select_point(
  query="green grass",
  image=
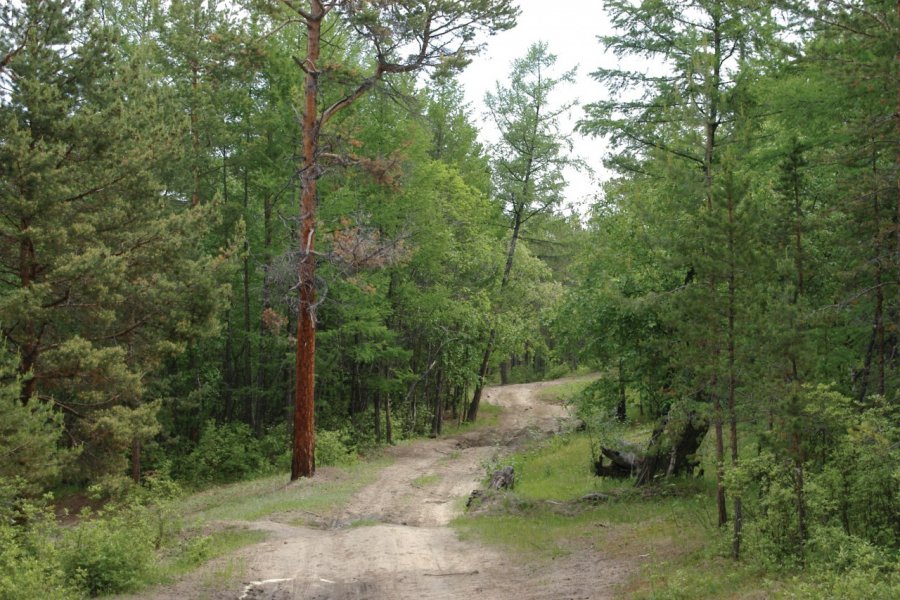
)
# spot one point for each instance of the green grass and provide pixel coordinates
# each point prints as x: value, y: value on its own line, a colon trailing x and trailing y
x: 560, y: 393
x: 199, y: 550
x: 488, y: 416
x: 669, y: 538
x: 672, y: 535
x: 251, y: 500
x: 206, y: 525
x: 426, y: 480
x: 364, y: 523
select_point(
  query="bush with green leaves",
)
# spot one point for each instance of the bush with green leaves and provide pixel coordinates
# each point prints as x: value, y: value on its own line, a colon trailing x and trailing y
x: 334, y: 448
x: 824, y: 488
x: 225, y: 453
x: 29, y: 562
x: 112, y: 553
x: 275, y: 447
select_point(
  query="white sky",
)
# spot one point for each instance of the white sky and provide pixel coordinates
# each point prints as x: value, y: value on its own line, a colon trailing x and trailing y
x: 570, y: 28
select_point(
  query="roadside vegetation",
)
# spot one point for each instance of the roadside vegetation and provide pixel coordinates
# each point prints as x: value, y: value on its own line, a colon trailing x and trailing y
x: 245, y: 238
x: 154, y: 533
x: 667, y: 532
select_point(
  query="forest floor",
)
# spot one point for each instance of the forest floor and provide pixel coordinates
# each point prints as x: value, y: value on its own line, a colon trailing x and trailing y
x: 393, y: 539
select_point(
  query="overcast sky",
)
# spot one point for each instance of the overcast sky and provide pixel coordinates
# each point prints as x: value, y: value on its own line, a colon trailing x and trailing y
x: 570, y: 28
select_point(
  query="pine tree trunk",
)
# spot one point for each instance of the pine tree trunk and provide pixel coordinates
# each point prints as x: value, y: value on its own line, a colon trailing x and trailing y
x: 377, y: 406
x: 264, y: 373
x: 246, y: 351
x: 228, y: 367
x: 136, y: 460
x: 388, y: 426
x: 303, y: 459
x: 195, y: 137
x: 732, y: 374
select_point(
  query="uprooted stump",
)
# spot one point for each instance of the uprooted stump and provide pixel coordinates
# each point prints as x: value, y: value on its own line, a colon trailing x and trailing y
x: 669, y: 452
x: 501, y: 479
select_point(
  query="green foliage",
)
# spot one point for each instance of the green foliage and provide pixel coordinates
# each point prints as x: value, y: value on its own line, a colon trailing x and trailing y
x: 200, y: 549
x: 113, y: 553
x: 105, y: 277
x: 227, y: 452
x: 334, y: 448
x: 30, y: 566
x: 29, y: 434
x: 825, y: 485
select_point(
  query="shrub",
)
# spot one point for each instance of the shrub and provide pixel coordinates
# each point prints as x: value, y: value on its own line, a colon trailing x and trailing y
x: 275, y: 447
x: 334, y: 448
x: 225, y: 453
x: 29, y: 564
x: 826, y: 482
x: 110, y: 554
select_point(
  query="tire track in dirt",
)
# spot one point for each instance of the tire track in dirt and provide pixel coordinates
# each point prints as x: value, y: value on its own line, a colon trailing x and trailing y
x: 393, y: 540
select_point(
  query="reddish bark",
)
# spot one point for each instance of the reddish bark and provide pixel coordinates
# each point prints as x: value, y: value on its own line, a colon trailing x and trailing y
x: 303, y: 463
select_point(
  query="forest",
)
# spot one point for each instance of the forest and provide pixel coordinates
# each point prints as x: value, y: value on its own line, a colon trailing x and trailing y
x: 250, y: 237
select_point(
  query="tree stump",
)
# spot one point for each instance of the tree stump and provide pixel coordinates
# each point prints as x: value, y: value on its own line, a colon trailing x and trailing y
x: 503, y: 479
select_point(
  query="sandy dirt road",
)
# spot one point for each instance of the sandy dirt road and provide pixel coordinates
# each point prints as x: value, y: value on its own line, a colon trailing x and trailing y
x: 393, y: 540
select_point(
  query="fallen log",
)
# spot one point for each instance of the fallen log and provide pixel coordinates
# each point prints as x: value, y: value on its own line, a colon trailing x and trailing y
x: 670, y: 451
x: 622, y: 463
x: 676, y: 457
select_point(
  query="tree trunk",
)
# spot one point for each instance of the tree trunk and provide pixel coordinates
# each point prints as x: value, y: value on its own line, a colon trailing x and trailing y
x: 195, y: 137
x: 388, y: 426
x: 228, y: 367
x: 136, y: 460
x: 303, y: 459
x: 712, y: 124
x: 376, y: 401
x: 720, y: 461
x: 897, y: 167
x: 670, y: 451
x: 486, y: 359
x: 472, y: 413
x: 879, y: 279
x: 29, y: 350
x: 437, y: 424
x: 264, y: 373
x: 249, y: 390
x: 732, y: 374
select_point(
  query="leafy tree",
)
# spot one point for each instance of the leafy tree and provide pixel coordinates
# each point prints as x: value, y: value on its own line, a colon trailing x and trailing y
x: 528, y: 161
x: 690, y: 112
x: 441, y: 35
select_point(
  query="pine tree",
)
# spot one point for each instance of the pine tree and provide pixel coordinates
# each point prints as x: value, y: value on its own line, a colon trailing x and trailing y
x: 103, y: 275
x: 440, y: 36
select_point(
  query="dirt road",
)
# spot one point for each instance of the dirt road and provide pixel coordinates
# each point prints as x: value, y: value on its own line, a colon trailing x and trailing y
x: 393, y: 541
